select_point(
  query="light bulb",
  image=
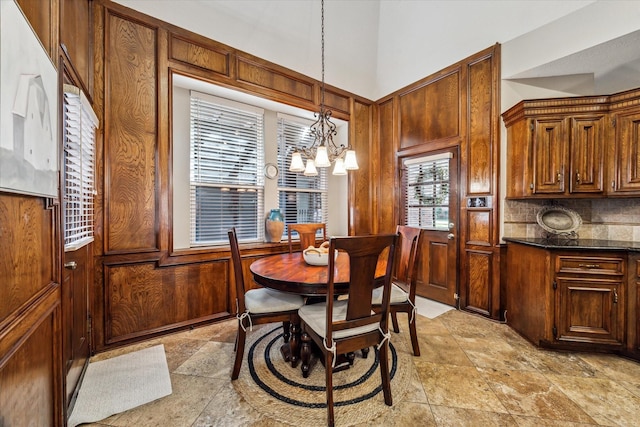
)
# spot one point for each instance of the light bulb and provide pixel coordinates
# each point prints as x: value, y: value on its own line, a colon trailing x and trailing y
x: 297, y: 165
x: 310, y: 170
x: 350, y: 162
x: 322, y: 159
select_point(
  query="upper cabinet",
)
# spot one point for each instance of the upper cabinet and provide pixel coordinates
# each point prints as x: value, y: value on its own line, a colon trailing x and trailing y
x: 574, y: 147
x: 625, y: 115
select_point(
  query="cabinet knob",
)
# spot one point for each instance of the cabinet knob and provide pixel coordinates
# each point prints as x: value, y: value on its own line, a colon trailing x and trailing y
x: 71, y: 265
x: 451, y: 236
x: 578, y: 177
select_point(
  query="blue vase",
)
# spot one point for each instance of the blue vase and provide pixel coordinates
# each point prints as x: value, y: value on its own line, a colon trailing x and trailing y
x: 274, y: 226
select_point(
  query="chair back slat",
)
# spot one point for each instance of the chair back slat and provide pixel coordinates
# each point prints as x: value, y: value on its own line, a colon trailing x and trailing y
x: 237, y: 269
x: 364, y: 254
x: 408, y: 256
x: 307, y: 233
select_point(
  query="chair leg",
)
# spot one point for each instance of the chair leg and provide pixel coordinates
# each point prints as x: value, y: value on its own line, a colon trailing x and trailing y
x: 305, y: 354
x: 384, y: 372
x: 329, y: 382
x: 394, y: 320
x: 365, y: 352
x: 286, y: 326
x: 240, y: 340
x: 414, y: 336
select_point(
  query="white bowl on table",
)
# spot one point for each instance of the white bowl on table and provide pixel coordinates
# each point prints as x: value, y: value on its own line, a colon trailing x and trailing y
x: 314, y: 256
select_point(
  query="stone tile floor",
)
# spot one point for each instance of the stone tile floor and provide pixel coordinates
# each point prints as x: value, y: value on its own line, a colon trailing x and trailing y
x: 471, y: 372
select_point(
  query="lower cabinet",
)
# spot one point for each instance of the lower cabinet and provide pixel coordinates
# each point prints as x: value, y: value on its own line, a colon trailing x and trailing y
x: 575, y: 300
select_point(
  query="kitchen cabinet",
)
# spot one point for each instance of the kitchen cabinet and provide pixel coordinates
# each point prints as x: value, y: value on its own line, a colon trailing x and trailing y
x: 589, y: 298
x: 573, y: 294
x: 626, y: 181
x: 555, y: 148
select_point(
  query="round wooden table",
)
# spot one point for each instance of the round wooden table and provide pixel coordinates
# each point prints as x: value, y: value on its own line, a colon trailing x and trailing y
x: 290, y: 273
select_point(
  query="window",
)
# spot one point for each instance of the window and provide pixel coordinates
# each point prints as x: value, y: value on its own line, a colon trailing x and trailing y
x: 426, y: 192
x: 302, y: 198
x: 80, y: 123
x: 226, y: 160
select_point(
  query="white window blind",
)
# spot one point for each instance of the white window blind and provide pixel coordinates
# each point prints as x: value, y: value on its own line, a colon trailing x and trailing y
x: 80, y: 123
x: 226, y: 161
x: 302, y: 199
x: 426, y: 192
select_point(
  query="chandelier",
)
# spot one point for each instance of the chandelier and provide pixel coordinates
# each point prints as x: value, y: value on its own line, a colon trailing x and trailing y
x: 323, y: 151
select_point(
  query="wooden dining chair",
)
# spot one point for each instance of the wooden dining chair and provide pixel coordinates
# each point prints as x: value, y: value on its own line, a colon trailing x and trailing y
x: 258, y: 306
x: 344, y: 326
x: 403, y: 288
x: 307, y: 233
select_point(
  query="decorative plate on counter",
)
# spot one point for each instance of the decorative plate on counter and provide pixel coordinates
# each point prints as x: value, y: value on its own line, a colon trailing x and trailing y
x: 559, y: 220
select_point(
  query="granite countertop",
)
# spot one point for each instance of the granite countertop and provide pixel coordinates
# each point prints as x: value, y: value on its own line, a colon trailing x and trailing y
x: 562, y: 242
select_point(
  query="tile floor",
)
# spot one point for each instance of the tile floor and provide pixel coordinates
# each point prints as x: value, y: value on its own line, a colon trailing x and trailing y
x: 472, y: 372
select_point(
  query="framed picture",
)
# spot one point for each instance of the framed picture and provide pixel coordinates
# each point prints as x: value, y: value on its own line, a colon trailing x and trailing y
x: 28, y: 108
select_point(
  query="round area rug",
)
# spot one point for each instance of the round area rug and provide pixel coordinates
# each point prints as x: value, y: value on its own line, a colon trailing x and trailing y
x: 278, y: 391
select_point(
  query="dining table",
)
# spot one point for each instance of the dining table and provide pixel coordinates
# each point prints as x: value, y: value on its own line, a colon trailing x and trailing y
x: 289, y: 272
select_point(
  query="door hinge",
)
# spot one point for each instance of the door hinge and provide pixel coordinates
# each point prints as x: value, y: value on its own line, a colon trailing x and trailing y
x: 555, y: 285
x: 613, y: 122
x: 555, y: 332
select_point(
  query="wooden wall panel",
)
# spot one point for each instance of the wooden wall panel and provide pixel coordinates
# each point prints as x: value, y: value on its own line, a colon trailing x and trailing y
x: 131, y: 116
x: 480, y: 149
x: 257, y: 74
x: 387, y: 211
x: 30, y: 338
x: 479, y: 272
x: 194, y: 54
x: 430, y: 112
x: 479, y: 227
x: 30, y: 368
x: 362, y: 195
x: 28, y: 248
x: 142, y: 299
x: 75, y: 33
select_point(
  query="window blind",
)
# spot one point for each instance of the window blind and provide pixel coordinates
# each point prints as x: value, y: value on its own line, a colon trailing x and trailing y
x: 426, y: 192
x: 226, y: 161
x: 80, y: 123
x: 302, y: 199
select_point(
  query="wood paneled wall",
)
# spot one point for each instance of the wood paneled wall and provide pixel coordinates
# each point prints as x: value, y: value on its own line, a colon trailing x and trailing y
x: 31, y: 382
x: 142, y: 286
x: 456, y: 107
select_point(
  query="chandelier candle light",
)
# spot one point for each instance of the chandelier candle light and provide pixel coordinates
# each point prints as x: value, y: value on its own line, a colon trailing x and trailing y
x: 324, y: 150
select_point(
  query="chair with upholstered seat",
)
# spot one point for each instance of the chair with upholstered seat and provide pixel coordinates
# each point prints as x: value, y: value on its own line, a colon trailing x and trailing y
x: 343, y: 326
x: 258, y: 306
x: 307, y: 233
x: 403, y: 289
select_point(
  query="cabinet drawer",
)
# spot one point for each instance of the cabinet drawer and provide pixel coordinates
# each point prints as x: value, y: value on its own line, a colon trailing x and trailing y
x: 590, y: 265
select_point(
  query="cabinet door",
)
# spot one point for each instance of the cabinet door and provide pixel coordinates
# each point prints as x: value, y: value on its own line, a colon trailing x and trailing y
x: 627, y: 154
x: 587, y: 155
x: 589, y: 311
x: 549, y: 155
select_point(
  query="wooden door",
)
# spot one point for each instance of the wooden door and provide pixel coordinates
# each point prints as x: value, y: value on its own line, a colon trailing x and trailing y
x: 549, y: 155
x: 627, y: 154
x: 587, y: 155
x: 438, y: 263
x: 589, y: 311
x: 75, y: 289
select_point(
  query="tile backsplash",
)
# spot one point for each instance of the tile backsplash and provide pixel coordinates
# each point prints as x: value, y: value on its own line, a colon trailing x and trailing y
x: 602, y: 219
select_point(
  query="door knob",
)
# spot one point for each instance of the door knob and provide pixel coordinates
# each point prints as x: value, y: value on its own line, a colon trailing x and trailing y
x: 71, y: 265
x: 450, y: 236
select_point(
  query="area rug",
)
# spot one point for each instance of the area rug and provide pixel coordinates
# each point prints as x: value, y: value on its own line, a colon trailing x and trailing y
x: 278, y: 391
x: 430, y: 308
x: 121, y: 383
